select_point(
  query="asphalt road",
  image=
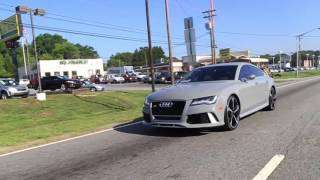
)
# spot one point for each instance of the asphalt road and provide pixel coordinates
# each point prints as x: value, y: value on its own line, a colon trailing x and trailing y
x: 142, y: 152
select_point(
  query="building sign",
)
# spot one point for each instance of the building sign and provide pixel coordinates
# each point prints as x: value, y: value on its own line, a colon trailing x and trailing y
x: 225, y: 54
x: 190, y: 40
x: 11, y: 28
x: 78, y: 61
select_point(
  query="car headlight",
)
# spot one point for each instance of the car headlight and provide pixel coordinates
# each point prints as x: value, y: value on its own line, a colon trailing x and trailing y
x: 163, y: 78
x: 146, y: 102
x: 205, y: 100
x: 11, y: 89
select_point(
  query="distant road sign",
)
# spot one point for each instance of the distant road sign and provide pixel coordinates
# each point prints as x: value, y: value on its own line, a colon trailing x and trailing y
x: 225, y: 54
x: 11, y: 28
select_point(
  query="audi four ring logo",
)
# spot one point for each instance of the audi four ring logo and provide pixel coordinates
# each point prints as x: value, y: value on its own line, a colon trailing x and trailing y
x: 166, y: 104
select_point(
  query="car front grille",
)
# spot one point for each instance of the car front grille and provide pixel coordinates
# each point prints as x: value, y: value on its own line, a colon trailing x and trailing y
x: 21, y: 89
x: 176, y: 108
x: 166, y: 118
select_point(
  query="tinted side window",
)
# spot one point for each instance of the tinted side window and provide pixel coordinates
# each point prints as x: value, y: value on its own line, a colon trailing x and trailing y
x: 256, y: 71
x: 245, y: 72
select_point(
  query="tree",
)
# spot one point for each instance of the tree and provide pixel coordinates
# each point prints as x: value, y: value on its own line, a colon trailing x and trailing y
x: 66, y: 50
x: 87, y: 52
x: 141, y: 55
x: 120, y: 59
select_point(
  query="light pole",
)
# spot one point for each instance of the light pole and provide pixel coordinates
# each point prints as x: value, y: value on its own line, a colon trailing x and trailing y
x: 312, y: 64
x: 308, y: 59
x: 280, y: 59
x: 318, y: 62
x: 36, y: 12
x: 273, y: 61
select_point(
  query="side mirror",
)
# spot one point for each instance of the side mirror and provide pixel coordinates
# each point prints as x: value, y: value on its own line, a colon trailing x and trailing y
x: 244, y: 80
x: 252, y: 77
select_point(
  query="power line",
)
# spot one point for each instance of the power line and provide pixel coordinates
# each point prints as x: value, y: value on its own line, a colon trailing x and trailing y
x: 93, y: 23
x: 102, y: 26
x: 91, y: 34
x: 254, y: 34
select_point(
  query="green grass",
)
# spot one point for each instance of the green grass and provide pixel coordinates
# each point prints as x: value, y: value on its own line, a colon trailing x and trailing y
x: 302, y: 74
x: 25, y: 122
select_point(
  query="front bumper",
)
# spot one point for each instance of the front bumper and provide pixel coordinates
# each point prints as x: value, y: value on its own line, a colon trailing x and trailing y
x: 199, y: 116
x: 18, y: 93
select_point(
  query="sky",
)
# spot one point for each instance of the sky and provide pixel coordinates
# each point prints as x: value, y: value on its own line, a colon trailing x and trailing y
x: 259, y: 26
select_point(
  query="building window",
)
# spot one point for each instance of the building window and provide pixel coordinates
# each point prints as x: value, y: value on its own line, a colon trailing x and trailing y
x: 97, y: 71
x: 66, y: 73
x: 47, y: 74
x: 57, y: 73
x: 74, y: 73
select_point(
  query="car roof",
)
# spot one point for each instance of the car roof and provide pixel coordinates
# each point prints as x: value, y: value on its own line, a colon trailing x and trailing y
x: 228, y: 64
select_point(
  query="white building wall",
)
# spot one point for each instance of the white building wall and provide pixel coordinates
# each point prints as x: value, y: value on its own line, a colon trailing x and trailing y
x: 82, y: 67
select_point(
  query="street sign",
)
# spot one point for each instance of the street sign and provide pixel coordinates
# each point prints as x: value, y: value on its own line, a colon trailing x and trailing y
x: 225, y: 54
x: 11, y: 28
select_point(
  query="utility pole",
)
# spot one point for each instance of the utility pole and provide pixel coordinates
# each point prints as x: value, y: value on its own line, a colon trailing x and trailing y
x: 35, y: 50
x: 298, y: 53
x: 169, y: 42
x: 31, y: 75
x: 212, y: 10
x: 150, y: 45
x: 210, y: 16
x: 24, y: 59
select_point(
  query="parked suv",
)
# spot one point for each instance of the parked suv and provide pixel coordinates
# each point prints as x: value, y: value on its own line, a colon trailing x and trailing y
x: 59, y: 82
x: 9, y: 88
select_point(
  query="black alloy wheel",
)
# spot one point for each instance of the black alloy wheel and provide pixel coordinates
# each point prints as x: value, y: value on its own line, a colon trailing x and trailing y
x: 232, y: 113
x: 272, y: 100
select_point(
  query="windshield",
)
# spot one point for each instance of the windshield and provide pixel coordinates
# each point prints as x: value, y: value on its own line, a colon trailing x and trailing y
x: 213, y: 73
x: 8, y: 82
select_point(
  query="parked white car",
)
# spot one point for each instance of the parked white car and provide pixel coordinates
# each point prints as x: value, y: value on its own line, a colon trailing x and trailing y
x: 115, y: 78
x: 140, y: 76
x: 25, y: 82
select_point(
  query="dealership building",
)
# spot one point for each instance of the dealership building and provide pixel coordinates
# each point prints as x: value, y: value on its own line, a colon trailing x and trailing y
x: 68, y: 68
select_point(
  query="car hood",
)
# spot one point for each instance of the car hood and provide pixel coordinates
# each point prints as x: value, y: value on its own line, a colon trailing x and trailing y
x: 191, y: 90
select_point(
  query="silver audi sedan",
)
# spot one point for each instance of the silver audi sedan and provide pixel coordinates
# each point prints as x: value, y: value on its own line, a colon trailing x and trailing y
x: 210, y: 96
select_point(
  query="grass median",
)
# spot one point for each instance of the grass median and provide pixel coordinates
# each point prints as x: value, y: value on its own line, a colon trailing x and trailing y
x: 26, y: 122
x: 293, y: 74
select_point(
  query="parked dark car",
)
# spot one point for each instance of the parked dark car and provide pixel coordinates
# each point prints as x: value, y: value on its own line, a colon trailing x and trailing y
x: 59, y: 82
x: 129, y: 77
x: 163, y: 77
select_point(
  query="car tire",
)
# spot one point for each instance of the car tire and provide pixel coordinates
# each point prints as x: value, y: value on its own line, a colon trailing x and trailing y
x: 93, y: 89
x: 4, y: 96
x: 63, y: 87
x: 272, y: 100
x: 232, y: 113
